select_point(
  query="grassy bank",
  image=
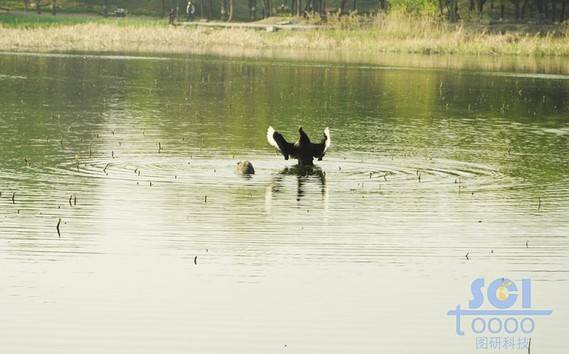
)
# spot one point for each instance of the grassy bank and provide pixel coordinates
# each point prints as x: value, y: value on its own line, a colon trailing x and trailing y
x: 396, y: 32
x: 29, y: 20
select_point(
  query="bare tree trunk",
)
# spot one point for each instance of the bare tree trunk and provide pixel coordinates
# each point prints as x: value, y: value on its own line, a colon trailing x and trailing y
x: 539, y: 7
x: 452, y: 6
x: 524, y: 8
x: 252, y: 10
x: 455, y: 10
x: 481, y: 6
x: 230, y: 17
x: 316, y: 6
x: 562, y: 15
x: 516, y: 4
x: 354, y: 5
x: 343, y: 5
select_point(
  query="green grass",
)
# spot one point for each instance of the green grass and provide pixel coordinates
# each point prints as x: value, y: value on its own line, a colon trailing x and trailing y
x: 32, y: 21
x: 20, y: 20
x: 137, y: 7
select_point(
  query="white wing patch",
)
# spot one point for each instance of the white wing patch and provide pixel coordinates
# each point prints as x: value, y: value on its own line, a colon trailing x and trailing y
x: 328, y: 142
x: 270, y: 139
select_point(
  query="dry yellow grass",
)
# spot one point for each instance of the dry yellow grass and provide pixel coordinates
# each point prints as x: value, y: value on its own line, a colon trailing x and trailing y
x: 393, y: 33
x: 111, y: 38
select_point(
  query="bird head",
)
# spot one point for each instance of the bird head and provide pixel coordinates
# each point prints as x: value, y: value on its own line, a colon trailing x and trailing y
x: 303, y: 136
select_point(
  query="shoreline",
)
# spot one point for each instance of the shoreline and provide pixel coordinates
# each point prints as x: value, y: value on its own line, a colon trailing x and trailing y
x: 388, y: 41
x: 539, y: 68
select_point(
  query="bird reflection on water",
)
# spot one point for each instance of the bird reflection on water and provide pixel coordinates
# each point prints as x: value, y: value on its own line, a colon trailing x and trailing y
x: 305, y: 177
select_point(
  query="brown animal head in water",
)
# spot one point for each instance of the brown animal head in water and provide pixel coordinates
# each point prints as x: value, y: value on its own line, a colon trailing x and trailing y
x: 244, y: 168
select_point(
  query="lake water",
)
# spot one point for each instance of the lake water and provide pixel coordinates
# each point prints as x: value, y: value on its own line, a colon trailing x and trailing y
x: 435, y: 177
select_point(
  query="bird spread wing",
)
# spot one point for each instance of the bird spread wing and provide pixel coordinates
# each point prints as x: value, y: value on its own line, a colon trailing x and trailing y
x: 319, y: 150
x: 278, y: 141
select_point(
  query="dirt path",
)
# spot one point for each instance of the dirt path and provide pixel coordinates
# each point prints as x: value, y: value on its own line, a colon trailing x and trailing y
x: 254, y: 25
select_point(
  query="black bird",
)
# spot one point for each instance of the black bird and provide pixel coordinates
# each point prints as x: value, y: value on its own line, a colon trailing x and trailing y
x: 303, y: 149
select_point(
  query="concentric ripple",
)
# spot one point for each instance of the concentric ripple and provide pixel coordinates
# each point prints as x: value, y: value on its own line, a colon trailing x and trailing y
x: 124, y: 227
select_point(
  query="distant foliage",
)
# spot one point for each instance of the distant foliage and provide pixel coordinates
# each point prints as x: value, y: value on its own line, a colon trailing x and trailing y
x: 415, y: 6
x: 317, y: 11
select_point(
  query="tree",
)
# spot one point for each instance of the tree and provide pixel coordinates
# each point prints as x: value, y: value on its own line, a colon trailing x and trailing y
x: 252, y: 10
x: 268, y: 8
x: 524, y: 8
x: 230, y: 17
x: 480, y: 4
x: 516, y: 4
x: 452, y: 10
x: 223, y: 9
x: 343, y: 5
